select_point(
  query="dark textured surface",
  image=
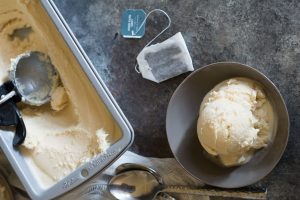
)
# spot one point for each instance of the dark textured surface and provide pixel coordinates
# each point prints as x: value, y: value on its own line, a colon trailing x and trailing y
x: 262, y: 34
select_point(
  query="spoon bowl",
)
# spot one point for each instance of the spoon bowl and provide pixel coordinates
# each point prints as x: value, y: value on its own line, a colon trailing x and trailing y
x: 134, y: 185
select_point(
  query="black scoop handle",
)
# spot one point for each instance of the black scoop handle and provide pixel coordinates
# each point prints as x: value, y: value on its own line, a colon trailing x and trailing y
x: 20, y: 134
x: 10, y: 115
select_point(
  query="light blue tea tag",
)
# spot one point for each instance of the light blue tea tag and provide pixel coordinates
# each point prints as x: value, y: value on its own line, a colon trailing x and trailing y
x: 133, y: 25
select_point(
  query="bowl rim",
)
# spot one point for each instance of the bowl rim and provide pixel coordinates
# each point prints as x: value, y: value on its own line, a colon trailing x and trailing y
x: 280, y: 98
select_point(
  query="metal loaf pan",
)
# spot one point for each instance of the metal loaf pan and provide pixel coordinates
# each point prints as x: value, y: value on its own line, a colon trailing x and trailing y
x: 96, y: 165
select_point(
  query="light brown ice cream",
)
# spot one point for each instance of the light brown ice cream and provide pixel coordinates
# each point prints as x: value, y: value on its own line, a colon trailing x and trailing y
x: 235, y: 119
x: 59, y: 99
x: 4, y: 191
x: 75, y: 126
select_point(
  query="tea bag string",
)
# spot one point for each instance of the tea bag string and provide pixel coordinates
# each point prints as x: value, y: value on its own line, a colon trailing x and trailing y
x: 159, y: 34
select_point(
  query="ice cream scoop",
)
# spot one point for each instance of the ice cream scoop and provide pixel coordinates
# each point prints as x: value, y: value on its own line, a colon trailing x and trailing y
x: 32, y: 79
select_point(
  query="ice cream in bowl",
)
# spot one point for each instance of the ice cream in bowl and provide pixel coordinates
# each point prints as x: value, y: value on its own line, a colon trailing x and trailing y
x: 227, y: 125
x: 235, y: 119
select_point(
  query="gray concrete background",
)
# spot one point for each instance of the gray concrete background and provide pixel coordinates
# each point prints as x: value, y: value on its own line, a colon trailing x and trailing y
x: 262, y: 34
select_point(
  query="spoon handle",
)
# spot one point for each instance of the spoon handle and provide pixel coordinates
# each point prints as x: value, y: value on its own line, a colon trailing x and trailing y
x: 236, y: 193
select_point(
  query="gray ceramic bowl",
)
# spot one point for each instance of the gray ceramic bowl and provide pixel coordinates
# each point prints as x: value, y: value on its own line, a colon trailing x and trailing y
x: 181, y: 122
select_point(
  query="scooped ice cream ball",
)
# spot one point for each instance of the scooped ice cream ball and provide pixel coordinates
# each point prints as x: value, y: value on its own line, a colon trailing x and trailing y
x: 235, y: 119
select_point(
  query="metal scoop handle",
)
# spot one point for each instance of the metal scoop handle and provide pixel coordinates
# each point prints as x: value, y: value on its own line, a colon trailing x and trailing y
x: 7, y: 97
x: 20, y: 134
x: 259, y: 194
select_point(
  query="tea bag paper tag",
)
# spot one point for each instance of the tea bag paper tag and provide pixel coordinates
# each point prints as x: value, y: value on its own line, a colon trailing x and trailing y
x: 132, y: 25
x: 165, y: 60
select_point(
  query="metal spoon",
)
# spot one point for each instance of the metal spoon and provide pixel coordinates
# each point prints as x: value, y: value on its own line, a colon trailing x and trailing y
x: 132, y: 166
x: 32, y: 79
x: 143, y: 184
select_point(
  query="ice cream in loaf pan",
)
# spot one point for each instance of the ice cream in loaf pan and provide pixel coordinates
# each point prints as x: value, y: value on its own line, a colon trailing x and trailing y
x: 75, y: 126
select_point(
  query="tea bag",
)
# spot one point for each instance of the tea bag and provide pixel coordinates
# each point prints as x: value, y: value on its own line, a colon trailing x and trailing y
x: 165, y: 60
